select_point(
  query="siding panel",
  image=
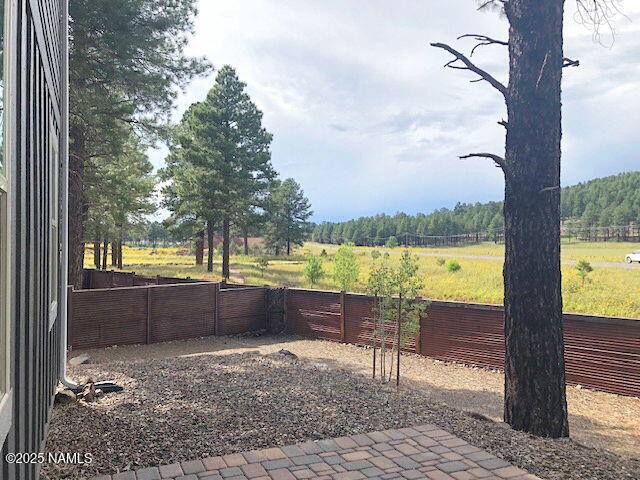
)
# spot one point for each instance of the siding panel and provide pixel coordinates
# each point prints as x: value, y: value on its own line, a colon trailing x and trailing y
x: 35, y: 58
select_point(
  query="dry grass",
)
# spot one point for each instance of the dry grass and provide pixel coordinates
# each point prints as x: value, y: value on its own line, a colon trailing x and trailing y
x: 607, y: 291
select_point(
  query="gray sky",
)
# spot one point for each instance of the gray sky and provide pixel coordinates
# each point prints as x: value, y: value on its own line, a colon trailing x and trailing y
x: 367, y: 120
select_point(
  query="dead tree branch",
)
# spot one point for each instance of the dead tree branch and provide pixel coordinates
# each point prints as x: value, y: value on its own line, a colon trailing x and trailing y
x: 468, y: 65
x: 567, y: 62
x: 482, y: 41
x: 500, y: 162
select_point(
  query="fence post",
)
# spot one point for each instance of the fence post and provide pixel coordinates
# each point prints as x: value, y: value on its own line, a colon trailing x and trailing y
x: 267, y: 319
x: 284, y: 309
x: 342, y: 317
x: 216, y: 310
x: 149, y: 323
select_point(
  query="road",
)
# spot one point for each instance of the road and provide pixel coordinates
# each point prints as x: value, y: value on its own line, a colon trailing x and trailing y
x: 594, y: 263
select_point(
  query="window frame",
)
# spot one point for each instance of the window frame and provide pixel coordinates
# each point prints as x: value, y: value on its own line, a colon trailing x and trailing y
x: 6, y: 391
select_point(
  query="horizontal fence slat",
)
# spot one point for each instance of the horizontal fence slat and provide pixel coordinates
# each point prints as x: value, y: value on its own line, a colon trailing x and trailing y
x: 601, y: 353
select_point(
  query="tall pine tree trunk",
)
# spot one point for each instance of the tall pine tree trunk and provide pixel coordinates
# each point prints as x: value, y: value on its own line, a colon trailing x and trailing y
x: 105, y: 252
x: 534, y: 363
x: 96, y: 254
x: 120, y: 253
x: 225, y: 248
x: 200, y: 248
x: 288, y: 247
x: 78, y: 209
x: 245, y: 235
x: 209, y: 246
x: 114, y: 253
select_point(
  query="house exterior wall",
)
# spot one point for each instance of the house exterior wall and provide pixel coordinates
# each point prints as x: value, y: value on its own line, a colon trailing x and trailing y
x: 35, y: 93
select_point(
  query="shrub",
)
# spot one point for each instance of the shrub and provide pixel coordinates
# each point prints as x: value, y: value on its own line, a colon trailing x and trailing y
x: 453, y: 265
x: 346, y: 268
x: 375, y: 254
x: 440, y: 261
x: 323, y: 253
x: 313, y: 270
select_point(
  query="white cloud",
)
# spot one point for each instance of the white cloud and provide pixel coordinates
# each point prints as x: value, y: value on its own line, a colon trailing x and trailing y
x: 366, y: 118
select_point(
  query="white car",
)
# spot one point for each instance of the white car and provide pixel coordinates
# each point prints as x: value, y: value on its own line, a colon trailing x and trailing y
x: 633, y: 257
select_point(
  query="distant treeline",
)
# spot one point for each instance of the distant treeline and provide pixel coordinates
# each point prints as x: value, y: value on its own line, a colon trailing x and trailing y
x: 613, y: 200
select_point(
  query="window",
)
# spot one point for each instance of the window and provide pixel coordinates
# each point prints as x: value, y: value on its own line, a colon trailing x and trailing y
x: 5, y: 324
x: 54, y: 231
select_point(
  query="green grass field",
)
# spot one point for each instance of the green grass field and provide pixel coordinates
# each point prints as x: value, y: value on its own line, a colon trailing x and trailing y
x: 608, y: 291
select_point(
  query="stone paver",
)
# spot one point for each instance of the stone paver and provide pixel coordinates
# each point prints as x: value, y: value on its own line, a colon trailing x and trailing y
x: 423, y: 451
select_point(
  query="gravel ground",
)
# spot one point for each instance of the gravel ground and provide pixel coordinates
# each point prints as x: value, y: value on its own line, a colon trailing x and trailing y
x: 181, y: 408
x: 597, y: 419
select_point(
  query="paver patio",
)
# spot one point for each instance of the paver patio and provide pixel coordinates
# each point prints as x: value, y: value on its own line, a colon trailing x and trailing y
x: 408, y: 453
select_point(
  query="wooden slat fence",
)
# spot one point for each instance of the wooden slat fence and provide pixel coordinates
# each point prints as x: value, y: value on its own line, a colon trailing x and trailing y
x: 158, y: 313
x: 94, y: 279
x: 600, y: 353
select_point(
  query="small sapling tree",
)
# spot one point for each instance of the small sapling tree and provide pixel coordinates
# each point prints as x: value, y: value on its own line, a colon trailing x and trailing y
x: 313, y: 270
x: 584, y: 268
x: 346, y: 269
x: 375, y: 254
x: 262, y: 263
x: 397, y: 308
x: 379, y: 285
x: 440, y: 261
x: 392, y: 242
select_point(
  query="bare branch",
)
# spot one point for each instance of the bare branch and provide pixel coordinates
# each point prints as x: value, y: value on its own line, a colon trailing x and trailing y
x: 500, y: 162
x: 549, y: 189
x: 482, y: 41
x: 595, y: 14
x: 504, y: 123
x: 468, y: 65
x: 567, y: 62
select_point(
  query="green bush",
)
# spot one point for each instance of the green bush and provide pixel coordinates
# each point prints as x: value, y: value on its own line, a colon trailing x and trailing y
x: 392, y: 242
x: 313, y: 270
x: 453, y: 265
x: 375, y: 254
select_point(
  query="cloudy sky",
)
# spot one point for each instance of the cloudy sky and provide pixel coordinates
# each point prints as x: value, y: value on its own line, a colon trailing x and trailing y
x: 367, y: 120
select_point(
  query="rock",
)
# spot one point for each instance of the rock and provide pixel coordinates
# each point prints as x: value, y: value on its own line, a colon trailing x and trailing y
x: 64, y: 397
x: 287, y: 353
x: 80, y: 359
